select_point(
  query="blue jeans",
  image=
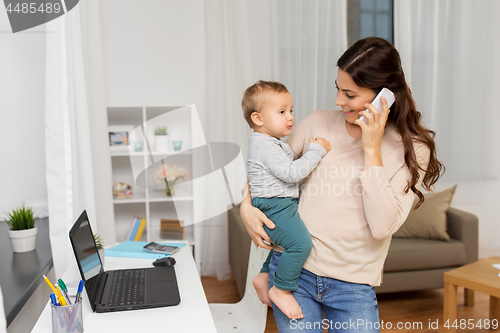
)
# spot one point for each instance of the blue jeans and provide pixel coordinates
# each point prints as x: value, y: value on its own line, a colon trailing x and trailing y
x: 348, y: 307
x: 291, y: 234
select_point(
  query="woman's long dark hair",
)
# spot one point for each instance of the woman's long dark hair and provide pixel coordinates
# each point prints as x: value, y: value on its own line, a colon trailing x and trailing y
x: 374, y: 63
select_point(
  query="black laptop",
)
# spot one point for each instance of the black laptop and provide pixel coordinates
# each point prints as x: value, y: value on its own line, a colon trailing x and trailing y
x: 120, y: 290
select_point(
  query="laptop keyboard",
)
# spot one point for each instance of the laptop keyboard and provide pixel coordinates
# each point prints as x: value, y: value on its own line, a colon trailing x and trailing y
x: 128, y: 288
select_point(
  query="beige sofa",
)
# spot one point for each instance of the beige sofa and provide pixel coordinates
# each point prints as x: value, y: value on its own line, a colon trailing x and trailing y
x: 411, y: 264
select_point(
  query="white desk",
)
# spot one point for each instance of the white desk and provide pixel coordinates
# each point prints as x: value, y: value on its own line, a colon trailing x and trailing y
x: 191, y: 315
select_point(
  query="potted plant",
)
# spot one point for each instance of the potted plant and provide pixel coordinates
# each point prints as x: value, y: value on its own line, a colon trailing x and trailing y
x: 99, y: 246
x: 162, y: 141
x: 22, y: 231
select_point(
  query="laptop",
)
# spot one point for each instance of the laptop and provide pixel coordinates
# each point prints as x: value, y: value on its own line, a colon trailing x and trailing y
x: 120, y: 290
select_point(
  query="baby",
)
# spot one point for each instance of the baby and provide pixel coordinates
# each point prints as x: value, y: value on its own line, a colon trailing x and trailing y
x: 273, y: 177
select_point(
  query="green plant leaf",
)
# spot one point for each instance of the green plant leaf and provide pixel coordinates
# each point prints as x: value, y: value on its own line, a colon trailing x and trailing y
x: 21, y: 218
x: 98, y: 242
x: 161, y: 130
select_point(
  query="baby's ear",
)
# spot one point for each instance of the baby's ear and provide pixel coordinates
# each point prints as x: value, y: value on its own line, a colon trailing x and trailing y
x: 257, y: 119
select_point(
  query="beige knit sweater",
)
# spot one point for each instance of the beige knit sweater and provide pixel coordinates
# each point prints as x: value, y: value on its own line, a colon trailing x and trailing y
x: 350, y: 212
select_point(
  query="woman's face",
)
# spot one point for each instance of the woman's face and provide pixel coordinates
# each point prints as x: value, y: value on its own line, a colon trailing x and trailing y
x: 351, y: 97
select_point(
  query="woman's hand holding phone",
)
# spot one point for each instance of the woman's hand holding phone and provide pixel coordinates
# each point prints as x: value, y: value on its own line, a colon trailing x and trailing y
x: 374, y: 130
x: 372, y: 133
x: 373, y: 124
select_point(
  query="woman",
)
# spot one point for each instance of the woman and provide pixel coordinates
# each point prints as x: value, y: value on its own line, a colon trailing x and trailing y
x: 360, y: 193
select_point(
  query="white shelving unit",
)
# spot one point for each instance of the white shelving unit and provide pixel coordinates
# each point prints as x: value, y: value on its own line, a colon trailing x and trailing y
x: 149, y: 200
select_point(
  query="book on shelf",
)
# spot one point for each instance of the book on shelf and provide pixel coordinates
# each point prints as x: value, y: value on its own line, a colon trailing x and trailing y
x: 131, y: 229
x: 136, y: 229
x: 140, y: 230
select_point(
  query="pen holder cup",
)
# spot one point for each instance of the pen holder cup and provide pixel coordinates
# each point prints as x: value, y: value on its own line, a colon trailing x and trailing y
x: 67, y: 318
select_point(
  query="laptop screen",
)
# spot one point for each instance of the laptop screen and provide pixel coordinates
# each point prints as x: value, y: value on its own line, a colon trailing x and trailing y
x: 87, y: 258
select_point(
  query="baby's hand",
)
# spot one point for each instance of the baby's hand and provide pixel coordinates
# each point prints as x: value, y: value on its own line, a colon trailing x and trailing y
x: 323, y: 142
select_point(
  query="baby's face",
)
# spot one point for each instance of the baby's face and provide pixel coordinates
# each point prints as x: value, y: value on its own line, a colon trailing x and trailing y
x: 276, y: 114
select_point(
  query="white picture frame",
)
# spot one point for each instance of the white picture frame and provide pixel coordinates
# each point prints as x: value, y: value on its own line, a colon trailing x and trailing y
x: 119, y: 137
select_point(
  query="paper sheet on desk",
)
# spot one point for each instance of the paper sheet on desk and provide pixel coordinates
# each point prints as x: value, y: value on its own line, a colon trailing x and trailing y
x: 133, y: 249
x: 497, y: 266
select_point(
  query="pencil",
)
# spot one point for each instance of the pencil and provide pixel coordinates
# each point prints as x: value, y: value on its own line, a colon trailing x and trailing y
x: 50, y: 284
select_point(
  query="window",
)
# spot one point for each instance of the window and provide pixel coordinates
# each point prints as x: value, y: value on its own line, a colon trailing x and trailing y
x: 369, y: 18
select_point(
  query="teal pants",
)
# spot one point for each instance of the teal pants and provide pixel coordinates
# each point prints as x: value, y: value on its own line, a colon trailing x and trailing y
x: 291, y: 234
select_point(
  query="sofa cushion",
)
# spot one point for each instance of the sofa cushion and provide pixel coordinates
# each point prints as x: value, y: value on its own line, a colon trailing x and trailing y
x: 417, y: 254
x: 429, y: 220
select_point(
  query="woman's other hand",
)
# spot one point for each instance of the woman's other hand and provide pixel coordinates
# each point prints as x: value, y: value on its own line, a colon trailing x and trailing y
x: 323, y: 142
x: 254, y: 221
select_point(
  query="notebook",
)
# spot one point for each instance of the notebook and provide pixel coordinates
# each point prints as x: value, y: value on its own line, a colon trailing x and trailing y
x: 135, y: 249
x: 120, y: 290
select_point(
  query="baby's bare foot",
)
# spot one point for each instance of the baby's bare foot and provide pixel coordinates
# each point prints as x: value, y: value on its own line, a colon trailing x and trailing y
x: 286, y: 302
x: 261, y: 285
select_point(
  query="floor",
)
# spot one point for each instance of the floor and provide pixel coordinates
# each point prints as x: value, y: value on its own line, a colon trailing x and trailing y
x: 419, y: 311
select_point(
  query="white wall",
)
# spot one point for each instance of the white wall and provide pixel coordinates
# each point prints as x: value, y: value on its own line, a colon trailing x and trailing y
x: 154, y: 51
x: 22, y: 147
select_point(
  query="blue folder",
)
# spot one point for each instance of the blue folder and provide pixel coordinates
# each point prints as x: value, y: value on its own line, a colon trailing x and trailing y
x: 132, y: 249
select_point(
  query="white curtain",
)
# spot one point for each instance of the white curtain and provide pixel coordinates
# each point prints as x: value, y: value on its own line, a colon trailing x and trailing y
x: 450, y: 53
x: 69, y: 159
x: 93, y: 64
x: 295, y: 42
x: 3, y: 320
x: 308, y: 38
x: 229, y: 69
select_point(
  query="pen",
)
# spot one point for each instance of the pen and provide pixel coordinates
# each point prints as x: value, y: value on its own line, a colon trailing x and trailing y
x: 79, y: 291
x: 50, y: 284
x: 55, y: 303
x: 60, y: 296
x: 54, y: 300
x: 64, y: 291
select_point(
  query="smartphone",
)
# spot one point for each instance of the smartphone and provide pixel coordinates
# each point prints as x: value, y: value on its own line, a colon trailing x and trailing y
x: 389, y: 97
x: 159, y: 248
